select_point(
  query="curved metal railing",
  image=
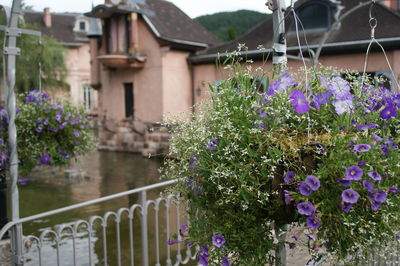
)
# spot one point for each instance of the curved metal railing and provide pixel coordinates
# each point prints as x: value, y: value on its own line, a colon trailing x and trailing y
x: 79, y: 234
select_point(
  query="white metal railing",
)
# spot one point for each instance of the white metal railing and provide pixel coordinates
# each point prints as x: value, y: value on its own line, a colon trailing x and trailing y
x: 72, y: 236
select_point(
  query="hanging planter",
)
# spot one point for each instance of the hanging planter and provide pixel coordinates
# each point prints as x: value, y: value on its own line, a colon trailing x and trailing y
x: 319, y: 154
x: 49, y: 133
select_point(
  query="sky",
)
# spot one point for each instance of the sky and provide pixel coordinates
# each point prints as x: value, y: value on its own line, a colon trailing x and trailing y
x: 193, y: 8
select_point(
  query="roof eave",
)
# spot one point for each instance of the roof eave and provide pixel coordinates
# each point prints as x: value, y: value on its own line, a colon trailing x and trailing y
x: 333, y: 47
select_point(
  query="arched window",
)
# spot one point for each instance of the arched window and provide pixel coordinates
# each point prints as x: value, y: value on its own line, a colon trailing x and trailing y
x: 314, y: 15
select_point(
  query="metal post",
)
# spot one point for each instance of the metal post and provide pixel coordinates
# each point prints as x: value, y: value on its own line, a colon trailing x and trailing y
x: 11, y: 51
x: 145, y: 244
x: 279, y: 58
x: 279, y: 61
x: 3, y: 198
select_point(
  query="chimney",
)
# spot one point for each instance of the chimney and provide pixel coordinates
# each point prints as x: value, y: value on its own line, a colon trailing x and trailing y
x: 47, y: 17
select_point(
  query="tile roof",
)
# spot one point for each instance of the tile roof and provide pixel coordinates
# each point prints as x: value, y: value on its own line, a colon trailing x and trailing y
x: 354, y: 29
x: 61, y: 29
x: 167, y: 22
x: 173, y: 23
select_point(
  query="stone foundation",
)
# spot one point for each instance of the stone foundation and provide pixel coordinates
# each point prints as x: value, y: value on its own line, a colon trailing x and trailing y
x: 133, y: 136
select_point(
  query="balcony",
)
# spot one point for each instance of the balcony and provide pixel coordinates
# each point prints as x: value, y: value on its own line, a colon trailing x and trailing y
x: 135, y: 60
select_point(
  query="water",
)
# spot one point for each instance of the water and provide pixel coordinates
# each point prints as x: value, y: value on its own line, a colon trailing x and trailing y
x: 103, y: 173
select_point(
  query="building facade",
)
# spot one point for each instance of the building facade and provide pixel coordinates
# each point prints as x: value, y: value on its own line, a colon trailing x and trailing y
x: 153, y: 60
x: 141, y: 71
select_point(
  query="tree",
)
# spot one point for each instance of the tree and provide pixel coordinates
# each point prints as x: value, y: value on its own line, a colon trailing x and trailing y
x: 44, y: 51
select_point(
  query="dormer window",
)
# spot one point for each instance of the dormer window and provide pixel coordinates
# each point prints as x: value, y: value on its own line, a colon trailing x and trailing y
x: 81, y: 25
x: 315, y: 15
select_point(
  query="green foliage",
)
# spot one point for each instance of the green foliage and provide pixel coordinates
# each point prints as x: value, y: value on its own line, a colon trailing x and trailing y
x: 49, y: 53
x: 227, y: 26
x: 48, y: 133
x: 231, y: 160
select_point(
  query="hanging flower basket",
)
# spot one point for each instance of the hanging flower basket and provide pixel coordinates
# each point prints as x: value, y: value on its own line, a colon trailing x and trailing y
x: 48, y: 133
x: 316, y: 150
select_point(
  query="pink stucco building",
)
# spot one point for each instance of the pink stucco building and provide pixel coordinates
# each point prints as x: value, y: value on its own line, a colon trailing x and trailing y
x: 141, y: 70
x: 152, y: 59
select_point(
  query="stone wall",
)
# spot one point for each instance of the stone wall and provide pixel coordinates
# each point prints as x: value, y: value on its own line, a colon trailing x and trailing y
x: 133, y: 136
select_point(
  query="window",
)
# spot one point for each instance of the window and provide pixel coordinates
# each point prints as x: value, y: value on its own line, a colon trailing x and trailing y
x: 87, y: 97
x: 117, y: 34
x: 82, y: 26
x: 129, y: 100
x: 314, y: 15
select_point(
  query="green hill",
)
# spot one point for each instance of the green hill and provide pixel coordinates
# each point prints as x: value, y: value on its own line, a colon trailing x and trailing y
x: 228, y: 26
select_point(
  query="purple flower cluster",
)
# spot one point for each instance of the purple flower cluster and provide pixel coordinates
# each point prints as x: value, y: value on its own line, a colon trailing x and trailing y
x: 218, y: 241
x: 212, y: 144
x: 283, y: 83
x: 340, y: 89
x: 299, y: 102
x: 37, y: 96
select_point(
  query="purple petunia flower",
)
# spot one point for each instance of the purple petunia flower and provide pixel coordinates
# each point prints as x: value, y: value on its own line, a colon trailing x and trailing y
x: 385, y: 149
x: 292, y: 245
x: 375, y: 176
x: 203, y: 260
x: 375, y: 206
x: 368, y: 185
x: 189, y: 244
x: 185, y: 229
x: 218, y: 240
x: 170, y: 241
x: 212, y: 144
x: 390, y: 141
x: 313, y: 182
x: 45, y: 159
x: 306, y: 208
x: 362, y: 148
x: 262, y: 114
x: 350, y: 196
x: 39, y: 129
x: 58, y: 118
x: 366, y: 126
x: 312, y: 222
x: 362, y: 163
x: 76, y: 133
x: 180, y: 239
x: 394, y: 190
x: 305, y: 190
x: 281, y: 84
x: 340, y: 89
x: 225, y: 261
x: 354, y: 173
x: 342, y: 107
x: 263, y: 126
x: 345, y: 182
x: 319, y: 99
x: 376, y: 138
x: 312, y: 236
x: 289, y: 176
x: 346, y: 207
x: 378, y: 196
x: 388, y: 112
x: 299, y: 102
x: 46, y: 122
x: 288, y: 197
x: 205, y: 250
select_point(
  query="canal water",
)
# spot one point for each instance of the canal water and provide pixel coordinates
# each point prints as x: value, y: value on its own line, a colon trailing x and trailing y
x: 101, y: 173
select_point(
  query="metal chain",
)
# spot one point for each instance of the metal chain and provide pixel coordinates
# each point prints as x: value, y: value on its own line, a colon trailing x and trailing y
x: 373, y: 22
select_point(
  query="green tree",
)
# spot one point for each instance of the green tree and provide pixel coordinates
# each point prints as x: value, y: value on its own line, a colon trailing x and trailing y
x: 228, y: 26
x: 35, y: 51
